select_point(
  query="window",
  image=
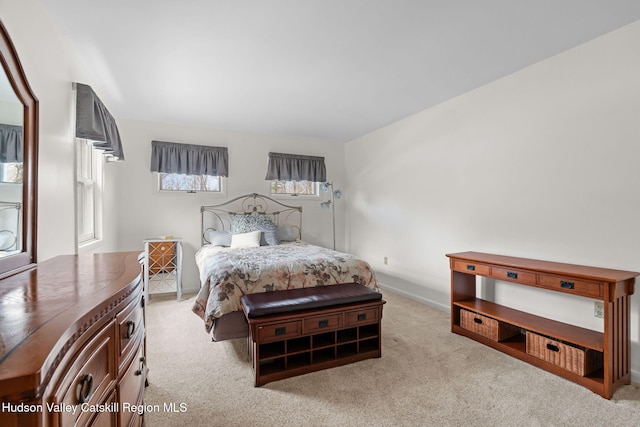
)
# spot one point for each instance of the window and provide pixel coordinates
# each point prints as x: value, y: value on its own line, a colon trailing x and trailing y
x: 88, y: 191
x: 294, y: 188
x: 189, y: 183
x: 11, y: 172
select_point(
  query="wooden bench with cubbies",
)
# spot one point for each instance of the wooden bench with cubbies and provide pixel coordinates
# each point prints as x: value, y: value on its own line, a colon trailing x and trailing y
x: 297, y: 331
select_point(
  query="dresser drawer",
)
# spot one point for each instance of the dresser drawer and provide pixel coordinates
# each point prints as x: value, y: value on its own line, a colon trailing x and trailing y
x: 131, y: 388
x: 279, y: 331
x: 559, y: 283
x: 513, y: 275
x: 107, y: 418
x: 472, y: 268
x: 89, y: 377
x: 130, y: 326
x: 359, y: 317
x: 327, y: 322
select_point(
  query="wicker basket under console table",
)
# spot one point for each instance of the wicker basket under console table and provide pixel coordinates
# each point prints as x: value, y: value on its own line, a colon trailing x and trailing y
x: 610, y: 349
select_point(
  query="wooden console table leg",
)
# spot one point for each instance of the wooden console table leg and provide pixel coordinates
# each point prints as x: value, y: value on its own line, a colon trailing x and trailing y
x: 617, y: 350
x: 463, y: 286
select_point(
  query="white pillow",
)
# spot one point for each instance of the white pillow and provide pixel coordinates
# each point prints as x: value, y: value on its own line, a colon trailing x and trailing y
x: 246, y: 240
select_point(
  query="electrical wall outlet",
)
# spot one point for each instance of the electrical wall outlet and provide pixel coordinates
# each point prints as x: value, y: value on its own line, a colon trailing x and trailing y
x: 386, y: 261
x: 598, y: 309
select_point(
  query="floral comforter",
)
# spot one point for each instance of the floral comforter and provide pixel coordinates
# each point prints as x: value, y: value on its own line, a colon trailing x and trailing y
x: 228, y: 274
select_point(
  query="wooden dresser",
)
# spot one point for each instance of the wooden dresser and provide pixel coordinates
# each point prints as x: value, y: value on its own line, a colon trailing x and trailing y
x: 72, y: 342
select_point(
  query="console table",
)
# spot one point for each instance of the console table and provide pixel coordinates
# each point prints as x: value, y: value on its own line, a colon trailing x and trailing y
x: 598, y: 361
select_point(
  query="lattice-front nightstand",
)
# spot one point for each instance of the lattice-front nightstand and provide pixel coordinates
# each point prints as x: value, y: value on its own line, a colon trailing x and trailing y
x: 163, y: 266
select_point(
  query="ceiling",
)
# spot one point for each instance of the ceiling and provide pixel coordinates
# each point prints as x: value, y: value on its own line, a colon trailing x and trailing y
x: 328, y: 69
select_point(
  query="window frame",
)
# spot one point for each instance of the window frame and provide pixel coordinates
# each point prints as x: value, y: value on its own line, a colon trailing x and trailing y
x: 221, y: 184
x: 11, y: 170
x: 89, y: 182
x: 315, y: 196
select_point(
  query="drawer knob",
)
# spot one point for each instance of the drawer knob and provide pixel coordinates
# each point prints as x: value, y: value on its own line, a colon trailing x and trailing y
x: 362, y: 316
x: 477, y: 320
x: 566, y: 285
x: 86, y: 384
x: 552, y: 347
x: 471, y: 267
x: 323, y: 323
x: 512, y: 275
x: 281, y: 331
x: 131, y: 328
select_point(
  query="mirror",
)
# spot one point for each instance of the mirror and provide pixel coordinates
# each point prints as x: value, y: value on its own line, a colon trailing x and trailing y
x: 18, y: 163
x: 11, y: 163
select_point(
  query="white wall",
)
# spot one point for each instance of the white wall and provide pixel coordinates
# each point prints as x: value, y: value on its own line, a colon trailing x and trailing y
x: 540, y: 164
x: 145, y: 212
x: 50, y: 67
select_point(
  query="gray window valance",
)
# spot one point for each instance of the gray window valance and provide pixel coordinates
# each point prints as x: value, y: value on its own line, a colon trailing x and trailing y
x: 94, y: 122
x: 294, y: 167
x: 11, y: 147
x: 189, y: 159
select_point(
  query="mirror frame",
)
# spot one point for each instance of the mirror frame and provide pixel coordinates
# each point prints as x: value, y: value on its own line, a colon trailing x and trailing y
x: 25, y: 259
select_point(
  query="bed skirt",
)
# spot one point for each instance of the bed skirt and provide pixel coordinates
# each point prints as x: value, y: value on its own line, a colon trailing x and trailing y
x: 230, y: 326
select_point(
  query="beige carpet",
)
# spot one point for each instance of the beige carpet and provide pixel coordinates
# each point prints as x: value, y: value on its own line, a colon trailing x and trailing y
x: 426, y: 377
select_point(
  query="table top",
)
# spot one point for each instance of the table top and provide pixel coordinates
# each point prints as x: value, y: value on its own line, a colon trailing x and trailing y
x: 163, y: 239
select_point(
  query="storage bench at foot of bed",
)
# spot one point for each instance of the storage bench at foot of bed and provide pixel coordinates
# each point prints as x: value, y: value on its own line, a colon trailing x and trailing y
x: 298, y: 331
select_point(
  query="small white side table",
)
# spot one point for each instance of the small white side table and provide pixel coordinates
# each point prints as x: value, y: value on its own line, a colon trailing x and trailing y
x: 163, y: 266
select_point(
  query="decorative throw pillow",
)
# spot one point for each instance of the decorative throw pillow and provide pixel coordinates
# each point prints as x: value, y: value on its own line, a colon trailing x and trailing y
x: 286, y: 234
x: 218, y: 238
x: 249, y: 222
x: 246, y: 240
x: 269, y: 235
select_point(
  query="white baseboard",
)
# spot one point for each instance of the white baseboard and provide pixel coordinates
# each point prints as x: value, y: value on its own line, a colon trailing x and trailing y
x: 422, y: 300
x: 635, y: 377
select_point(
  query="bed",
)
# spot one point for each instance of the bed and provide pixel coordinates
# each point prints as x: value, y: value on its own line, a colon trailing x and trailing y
x: 253, y: 243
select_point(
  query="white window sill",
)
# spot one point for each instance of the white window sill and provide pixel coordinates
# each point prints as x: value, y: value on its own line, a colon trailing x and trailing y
x: 89, y: 246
